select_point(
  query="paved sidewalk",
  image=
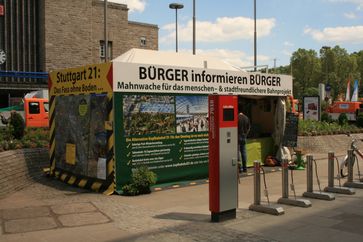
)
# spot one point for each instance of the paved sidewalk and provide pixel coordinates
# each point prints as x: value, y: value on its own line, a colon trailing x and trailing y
x: 53, y: 211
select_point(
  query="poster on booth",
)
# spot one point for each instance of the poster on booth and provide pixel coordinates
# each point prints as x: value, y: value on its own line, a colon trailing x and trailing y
x: 311, y: 106
x: 166, y: 133
x: 162, y: 115
x: 81, y: 100
x: 83, y: 80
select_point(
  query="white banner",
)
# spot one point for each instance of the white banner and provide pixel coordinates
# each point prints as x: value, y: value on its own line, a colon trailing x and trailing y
x: 141, y: 78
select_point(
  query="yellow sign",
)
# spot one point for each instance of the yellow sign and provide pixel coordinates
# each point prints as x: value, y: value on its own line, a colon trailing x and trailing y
x: 87, y: 79
x: 71, y: 154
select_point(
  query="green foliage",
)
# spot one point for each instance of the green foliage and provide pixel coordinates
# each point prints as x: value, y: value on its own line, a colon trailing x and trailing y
x: 334, y: 65
x: 311, y: 91
x: 305, y: 70
x: 359, y: 122
x: 325, y: 117
x: 33, y: 138
x: 142, y: 180
x: 312, y: 127
x: 342, y: 119
x: 324, y: 105
x: 17, y: 124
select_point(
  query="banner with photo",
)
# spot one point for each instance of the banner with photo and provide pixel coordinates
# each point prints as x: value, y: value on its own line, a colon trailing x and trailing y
x: 166, y: 133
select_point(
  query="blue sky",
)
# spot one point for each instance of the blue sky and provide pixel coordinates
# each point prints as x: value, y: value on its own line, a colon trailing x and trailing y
x: 225, y: 28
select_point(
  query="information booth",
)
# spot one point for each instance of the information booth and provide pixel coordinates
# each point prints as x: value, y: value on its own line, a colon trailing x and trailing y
x: 150, y: 108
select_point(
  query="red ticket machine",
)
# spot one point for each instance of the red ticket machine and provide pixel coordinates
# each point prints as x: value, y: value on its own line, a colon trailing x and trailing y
x: 223, y: 154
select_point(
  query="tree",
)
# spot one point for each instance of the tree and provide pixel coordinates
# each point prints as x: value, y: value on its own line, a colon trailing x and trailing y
x: 358, y: 56
x: 337, y: 67
x: 305, y: 71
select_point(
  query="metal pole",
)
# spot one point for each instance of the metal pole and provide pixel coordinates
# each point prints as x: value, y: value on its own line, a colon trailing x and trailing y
x: 176, y: 29
x: 331, y: 169
x: 194, y: 36
x: 350, y: 165
x: 285, y: 179
x: 274, y: 66
x: 257, y: 183
x: 309, y: 173
x: 105, y: 31
x: 255, y: 37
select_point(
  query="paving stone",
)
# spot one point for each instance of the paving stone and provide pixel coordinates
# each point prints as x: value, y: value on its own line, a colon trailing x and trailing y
x: 29, y: 224
x: 29, y: 212
x: 73, y: 208
x: 349, y: 223
x: 80, y: 219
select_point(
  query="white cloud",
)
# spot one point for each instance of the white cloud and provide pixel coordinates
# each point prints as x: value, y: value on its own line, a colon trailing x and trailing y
x: 287, y: 53
x: 233, y: 57
x: 224, y: 29
x: 358, y: 3
x: 352, y: 34
x: 289, y: 44
x: 133, y: 5
x: 350, y: 15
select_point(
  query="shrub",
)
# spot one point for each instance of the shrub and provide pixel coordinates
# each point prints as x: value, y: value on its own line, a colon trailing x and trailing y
x: 360, y: 120
x: 142, y: 180
x: 17, y: 124
x: 33, y: 138
x: 342, y: 119
x: 325, y: 117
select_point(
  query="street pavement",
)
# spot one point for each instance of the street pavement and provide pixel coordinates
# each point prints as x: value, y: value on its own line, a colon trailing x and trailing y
x: 49, y: 210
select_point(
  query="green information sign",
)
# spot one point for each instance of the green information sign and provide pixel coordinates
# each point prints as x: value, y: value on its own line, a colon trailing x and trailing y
x: 166, y: 133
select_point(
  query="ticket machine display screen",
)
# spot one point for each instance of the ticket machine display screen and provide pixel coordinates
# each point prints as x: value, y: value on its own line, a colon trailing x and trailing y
x: 228, y: 114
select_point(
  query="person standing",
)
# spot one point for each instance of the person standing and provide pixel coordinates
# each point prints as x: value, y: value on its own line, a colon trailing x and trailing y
x: 243, y: 129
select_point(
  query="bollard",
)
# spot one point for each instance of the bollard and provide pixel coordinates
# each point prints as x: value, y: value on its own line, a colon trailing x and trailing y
x: 285, y: 189
x: 350, y: 183
x: 285, y: 178
x: 257, y: 206
x: 331, y: 169
x: 350, y: 165
x: 309, y: 181
x: 257, y: 183
x: 309, y: 173
x: 331, y: 187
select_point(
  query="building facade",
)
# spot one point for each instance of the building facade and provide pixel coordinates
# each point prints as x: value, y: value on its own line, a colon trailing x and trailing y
x: 43, y: 35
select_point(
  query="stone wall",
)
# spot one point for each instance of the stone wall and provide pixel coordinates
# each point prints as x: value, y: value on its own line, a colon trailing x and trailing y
x: 339, y: 144
x: 19, y: 168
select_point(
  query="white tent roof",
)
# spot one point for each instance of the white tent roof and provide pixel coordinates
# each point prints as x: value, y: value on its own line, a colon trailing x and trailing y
x: 141, y: 56
x: 42, y: 93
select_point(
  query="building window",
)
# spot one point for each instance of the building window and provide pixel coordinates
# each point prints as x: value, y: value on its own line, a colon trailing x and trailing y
x: 102, y: 49
x: 143, y: 41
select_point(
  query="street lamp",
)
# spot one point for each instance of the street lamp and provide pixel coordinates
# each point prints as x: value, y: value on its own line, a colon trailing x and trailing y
x: 176, y: 6
x: 255, y: 37
x: 105, y: 30
x: 193, y: 27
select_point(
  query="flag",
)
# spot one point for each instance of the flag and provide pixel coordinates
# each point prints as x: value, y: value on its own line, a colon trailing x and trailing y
x: 355, y: 92
x: 347, y: 94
